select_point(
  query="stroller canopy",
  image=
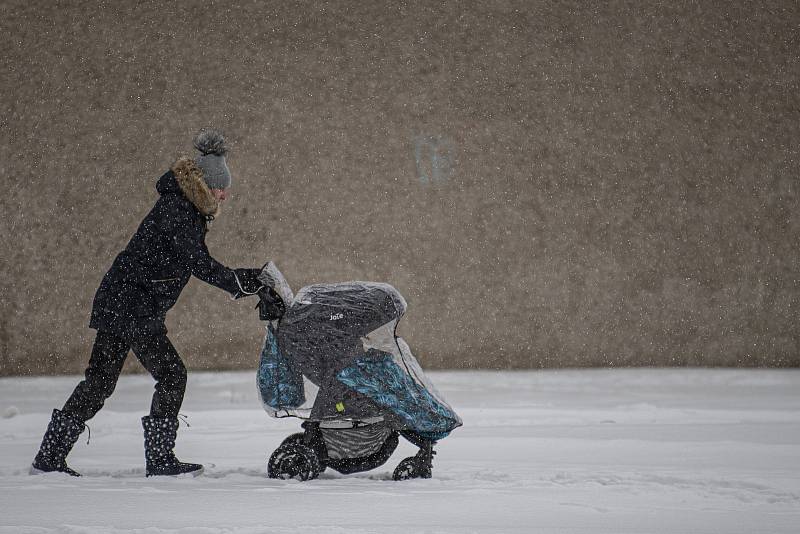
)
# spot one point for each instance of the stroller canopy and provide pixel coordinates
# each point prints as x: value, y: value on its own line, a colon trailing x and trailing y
x: 323, y: 329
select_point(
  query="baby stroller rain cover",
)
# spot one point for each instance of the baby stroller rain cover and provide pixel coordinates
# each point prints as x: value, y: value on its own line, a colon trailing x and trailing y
x: 334, y: 358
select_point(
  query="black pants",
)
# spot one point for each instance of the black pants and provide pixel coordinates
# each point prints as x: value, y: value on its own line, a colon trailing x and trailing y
x: 156, y: 354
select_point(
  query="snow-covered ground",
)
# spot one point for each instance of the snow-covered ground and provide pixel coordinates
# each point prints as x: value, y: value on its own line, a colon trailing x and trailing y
x: 616, y: 451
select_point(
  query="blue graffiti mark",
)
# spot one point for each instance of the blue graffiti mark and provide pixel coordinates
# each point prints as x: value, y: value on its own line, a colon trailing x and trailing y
x: 434, y: 158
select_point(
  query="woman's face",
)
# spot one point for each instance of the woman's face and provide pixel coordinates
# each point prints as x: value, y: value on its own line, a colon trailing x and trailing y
x: 220, y: 194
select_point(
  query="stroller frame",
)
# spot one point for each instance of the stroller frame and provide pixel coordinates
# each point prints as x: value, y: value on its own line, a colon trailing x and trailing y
x: 304, y: 455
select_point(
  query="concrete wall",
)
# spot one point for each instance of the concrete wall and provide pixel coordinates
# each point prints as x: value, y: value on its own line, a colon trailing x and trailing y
x: 548, y: 183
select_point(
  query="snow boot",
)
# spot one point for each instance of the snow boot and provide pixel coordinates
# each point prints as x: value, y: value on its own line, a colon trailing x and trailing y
x: 159, y: 440
x: 62, y: 433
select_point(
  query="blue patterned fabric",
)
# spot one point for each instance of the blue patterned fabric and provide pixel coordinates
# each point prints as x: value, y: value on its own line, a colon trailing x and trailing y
x: 279, y: 385
x: 388, y: 384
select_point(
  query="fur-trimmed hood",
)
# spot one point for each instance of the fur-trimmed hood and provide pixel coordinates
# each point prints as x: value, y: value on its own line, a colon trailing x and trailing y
x: 169, y: 246
x: 189, y: 177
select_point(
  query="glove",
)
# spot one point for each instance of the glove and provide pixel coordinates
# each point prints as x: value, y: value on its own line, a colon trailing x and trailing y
x: 270, y: 305
x: 248, y: 282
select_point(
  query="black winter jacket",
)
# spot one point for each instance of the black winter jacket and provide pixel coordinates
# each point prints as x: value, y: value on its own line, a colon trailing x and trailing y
x: 169, y: 247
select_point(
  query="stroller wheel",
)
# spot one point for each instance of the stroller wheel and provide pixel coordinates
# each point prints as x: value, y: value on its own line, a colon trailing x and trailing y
x: 419, y: 466
x: 293, y: 460
x: 407, y: 469
x: 293, y: 438
x: 315, y: 444
x: 410, y: 468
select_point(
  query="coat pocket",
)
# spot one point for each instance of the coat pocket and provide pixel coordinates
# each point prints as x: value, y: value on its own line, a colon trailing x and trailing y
x: 166, y: 286
x: 133, y: 301
x: 165, y: 292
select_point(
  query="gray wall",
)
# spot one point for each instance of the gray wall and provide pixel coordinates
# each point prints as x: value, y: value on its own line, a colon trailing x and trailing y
x: 548, y: 183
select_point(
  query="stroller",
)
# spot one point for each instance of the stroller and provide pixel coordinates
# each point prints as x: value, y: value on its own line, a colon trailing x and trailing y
x: 333, y: 360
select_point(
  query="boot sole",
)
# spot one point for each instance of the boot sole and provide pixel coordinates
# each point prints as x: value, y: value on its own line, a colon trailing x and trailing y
x: 35, y: 471
x: 188, y: 474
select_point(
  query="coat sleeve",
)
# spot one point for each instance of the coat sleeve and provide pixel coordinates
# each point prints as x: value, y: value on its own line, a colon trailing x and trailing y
x: 189, y: 241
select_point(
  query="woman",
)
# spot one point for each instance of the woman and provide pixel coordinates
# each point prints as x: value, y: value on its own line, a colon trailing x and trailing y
x: 130, y: 306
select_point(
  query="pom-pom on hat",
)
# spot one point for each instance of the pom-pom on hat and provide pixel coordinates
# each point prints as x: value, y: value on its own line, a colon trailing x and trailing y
x: 211, y: 160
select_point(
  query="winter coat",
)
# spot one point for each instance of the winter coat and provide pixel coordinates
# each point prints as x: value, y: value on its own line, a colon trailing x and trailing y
x: 169, y: 247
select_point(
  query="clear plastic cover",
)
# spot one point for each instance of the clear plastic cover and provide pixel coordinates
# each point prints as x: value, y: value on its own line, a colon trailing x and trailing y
x: 334, y: 358
x: 272, y: 277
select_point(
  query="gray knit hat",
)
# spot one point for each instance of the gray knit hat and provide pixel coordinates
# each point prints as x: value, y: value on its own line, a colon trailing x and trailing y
x: 211, y: 160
